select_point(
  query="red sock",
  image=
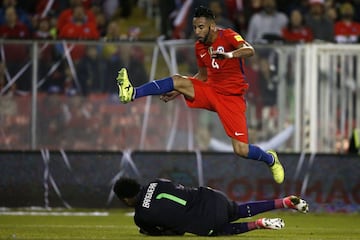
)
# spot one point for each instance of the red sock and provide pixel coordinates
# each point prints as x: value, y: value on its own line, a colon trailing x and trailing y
x: 279, y: 203
x: 252, y: 226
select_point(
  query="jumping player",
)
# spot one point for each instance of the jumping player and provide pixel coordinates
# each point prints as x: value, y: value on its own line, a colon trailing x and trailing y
x: 219, y: 85
x: 165, y: 208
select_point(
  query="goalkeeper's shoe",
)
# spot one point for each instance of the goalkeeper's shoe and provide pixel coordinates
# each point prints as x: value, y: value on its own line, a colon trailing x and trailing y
x: 126, y: 89
x: 276, y: 168
x: 296, y: 203
x: 270, y: 223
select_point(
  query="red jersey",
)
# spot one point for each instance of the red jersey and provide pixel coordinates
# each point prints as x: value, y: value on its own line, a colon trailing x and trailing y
x: 15, y: 52
x: 19, y: 31
x: 66, y: 17
x: 86, y: 31
x: 303, y: 34
x: 346, y: 32
x: 226, y: 76
x: 83, y: 31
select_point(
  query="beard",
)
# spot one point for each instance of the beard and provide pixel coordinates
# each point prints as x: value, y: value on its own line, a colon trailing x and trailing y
x: 204, y: 39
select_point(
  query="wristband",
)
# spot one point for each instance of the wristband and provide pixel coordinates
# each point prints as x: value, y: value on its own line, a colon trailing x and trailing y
x: 230, y: 54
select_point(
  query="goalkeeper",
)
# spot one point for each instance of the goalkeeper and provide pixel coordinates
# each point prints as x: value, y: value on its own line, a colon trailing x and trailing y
x: 166, y: 208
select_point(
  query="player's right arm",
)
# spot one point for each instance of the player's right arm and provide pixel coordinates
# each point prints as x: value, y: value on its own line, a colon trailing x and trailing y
x: 146, y: 228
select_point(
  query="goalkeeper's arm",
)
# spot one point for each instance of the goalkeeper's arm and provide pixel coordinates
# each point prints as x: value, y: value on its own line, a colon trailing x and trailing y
x: 153, y: 230
x: 160, y: 232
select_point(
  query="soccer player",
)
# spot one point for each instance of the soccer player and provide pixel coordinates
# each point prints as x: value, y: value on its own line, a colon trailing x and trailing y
x: 166, y: 208
x: 219, y: 85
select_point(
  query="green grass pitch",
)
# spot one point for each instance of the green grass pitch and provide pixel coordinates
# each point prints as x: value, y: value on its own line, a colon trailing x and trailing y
x: 119, y: 225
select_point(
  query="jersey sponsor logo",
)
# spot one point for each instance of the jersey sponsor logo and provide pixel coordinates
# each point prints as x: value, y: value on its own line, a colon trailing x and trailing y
x: 238, y: 38
x: 203, y: 55
x: 239, y: 134
x: 149, y: 192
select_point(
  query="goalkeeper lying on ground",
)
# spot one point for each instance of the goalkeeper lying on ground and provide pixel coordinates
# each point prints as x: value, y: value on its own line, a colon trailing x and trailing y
x: 165, y: 208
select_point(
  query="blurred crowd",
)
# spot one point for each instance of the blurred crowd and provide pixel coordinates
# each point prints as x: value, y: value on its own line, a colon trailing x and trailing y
x: 79, y: 68
x: 89, y: 67
x: 259, y: 21
x: 58, y: 19
x: 268, y: 21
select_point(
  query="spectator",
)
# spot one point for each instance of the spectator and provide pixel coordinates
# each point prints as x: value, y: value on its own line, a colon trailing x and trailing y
x: 241, y: 12
x: 321, y: 27
x: 79, y: 28
x: 67, y: 15
x: 266, y: 26
x: 136, y: 65
x: 42, y: 29
x: 12, y: 27
x: 109, y: 8
x: 113, y: 32
x: 113, y: 54
x: 15, y: 54
x: 91, y: 70
x: 53, y: 82
x: 101, y: 22
x: 296, y: 31
x: 346, y: 30
x: 233, y: 7
x: 220, y: 18
x: 53, y: 26
x: 332, y: 14
x: 22, y: 15
x: 166, y: 10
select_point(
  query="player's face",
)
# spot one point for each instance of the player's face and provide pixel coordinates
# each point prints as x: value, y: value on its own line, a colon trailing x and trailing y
x: 202, y: 29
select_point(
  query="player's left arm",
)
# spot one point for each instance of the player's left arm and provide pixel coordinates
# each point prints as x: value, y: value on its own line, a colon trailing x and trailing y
x: 241, y: 48
x: 244, y: 50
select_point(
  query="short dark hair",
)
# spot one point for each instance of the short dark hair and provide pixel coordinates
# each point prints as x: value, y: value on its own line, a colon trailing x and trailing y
x: 126, y: 188
x: 202, y: 11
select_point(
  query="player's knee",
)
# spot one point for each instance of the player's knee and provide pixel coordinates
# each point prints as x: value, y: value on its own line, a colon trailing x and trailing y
x: 241, y: 149
x: 178, y: 77
x: 181, y: 82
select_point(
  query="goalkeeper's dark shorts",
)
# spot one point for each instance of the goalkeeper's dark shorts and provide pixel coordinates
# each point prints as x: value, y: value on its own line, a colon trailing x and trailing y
x: 226, y: 210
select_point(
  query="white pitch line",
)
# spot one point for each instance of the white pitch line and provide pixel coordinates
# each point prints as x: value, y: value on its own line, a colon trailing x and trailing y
x: 130, y: 214
x: 31, y: 213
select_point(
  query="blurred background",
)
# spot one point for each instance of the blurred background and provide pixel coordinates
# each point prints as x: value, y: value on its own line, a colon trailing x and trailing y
x: 59, y: 102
